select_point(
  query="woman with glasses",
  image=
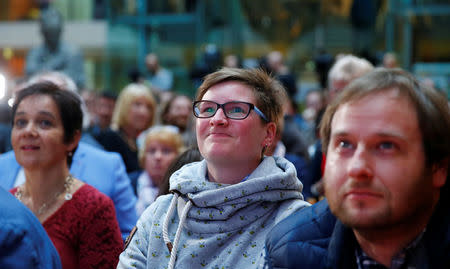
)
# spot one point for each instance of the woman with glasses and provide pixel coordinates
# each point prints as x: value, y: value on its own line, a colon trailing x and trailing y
x: 221, y: 208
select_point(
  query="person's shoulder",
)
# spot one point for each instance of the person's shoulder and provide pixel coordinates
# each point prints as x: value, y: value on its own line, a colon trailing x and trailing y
x: 9, y: 168
x: 309, y: 223
x: 158, y: 208
x: 69, y: 48
x: 92, y: 195
x: 90, y: 200
x: 37, y: 49
x: 99, y: 154
x: 9, y: 155
x: 110, y: 139
x: 9, y: 204
x: 302, y: 238
x: 22, y: 236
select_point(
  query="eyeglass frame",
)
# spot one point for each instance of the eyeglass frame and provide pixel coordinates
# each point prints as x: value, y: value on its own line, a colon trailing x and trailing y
x: 251, y: 107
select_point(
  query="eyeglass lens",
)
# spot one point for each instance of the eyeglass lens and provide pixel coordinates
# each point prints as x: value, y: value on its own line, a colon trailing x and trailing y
x: 234, y: 110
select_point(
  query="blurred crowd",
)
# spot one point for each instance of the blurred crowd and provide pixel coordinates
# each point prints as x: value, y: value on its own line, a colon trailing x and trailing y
x: 132, y: 140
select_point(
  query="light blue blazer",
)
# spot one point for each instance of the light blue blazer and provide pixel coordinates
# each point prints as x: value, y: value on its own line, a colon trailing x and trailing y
x: 101, y: 169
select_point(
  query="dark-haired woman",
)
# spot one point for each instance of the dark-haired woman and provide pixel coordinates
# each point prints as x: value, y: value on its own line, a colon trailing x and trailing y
x: 80, y: 220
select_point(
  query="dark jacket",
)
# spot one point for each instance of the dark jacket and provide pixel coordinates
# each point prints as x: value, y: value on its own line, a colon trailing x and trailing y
x: 313, y: 238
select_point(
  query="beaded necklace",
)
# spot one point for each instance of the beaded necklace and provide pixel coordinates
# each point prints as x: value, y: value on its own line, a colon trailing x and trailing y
x: 67, y: 189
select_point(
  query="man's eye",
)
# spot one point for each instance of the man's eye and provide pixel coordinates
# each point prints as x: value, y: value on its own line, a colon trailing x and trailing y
x: 386, y: 145
x: 345, y: 144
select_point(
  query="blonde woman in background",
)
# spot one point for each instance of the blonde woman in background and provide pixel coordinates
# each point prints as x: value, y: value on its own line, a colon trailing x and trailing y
x: 134, y: 113
x: 162, y: 145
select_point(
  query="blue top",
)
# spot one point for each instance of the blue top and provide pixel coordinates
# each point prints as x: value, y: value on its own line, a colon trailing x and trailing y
x: 103, y: 170
x: 23, y: 241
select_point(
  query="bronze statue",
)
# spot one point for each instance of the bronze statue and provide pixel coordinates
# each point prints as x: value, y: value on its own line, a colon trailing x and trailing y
x: 55, y: 54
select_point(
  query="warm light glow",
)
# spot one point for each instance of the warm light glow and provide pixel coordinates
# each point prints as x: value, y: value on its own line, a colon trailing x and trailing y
x: 8, y: 53
x: 11, y: 102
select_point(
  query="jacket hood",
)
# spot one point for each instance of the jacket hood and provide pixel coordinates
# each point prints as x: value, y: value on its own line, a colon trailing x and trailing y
x: 223, y: 207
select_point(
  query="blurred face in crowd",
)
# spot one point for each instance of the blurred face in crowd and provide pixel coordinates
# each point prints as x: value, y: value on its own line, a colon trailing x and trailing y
x: 180, y: 112
x: 336, y: 87
x: 158, y: 157
x: 375, y: 173
x: 89, y: 100
x: 38, y: 133
x: 139, y: 114
x: 105, y: 109
x: 152, y: 63
x: 314, y: 101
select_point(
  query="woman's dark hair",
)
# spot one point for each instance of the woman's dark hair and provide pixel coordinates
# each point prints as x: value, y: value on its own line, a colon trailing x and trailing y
x: 190, y: 155
x: 68, y: 103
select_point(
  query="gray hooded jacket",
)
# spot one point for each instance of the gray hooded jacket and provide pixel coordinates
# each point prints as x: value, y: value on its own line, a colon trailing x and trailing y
x: 205, y: 224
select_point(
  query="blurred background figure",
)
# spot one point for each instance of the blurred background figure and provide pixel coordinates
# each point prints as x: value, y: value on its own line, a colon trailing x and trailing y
x: 5, y: 128
x: 210, y: 61
x: 160, y: 78
x: 161, y: 146
x: 390, y: 60
x: 314, y: 102
x: 89, y: 98
x: 363, y: 16
x: 105, y: 102
x: 55, y: 54
x: 275, y: 63
x: 178, y: 112
x: 191, y: 154
x: 232, y: 61
x: 323, y: 62
x: 345, y: 69
x: 134, y: 112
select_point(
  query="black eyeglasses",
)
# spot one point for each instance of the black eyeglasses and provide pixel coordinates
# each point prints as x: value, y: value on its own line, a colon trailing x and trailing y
x: 235, y: 110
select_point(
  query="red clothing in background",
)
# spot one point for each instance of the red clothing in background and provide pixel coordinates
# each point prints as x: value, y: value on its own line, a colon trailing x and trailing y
x: 85, y: 231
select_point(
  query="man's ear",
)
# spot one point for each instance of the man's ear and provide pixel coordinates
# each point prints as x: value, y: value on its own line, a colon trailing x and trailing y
x: 439, y: 173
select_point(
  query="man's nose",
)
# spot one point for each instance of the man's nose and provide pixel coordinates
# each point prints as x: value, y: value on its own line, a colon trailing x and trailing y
x: 360, y: 165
